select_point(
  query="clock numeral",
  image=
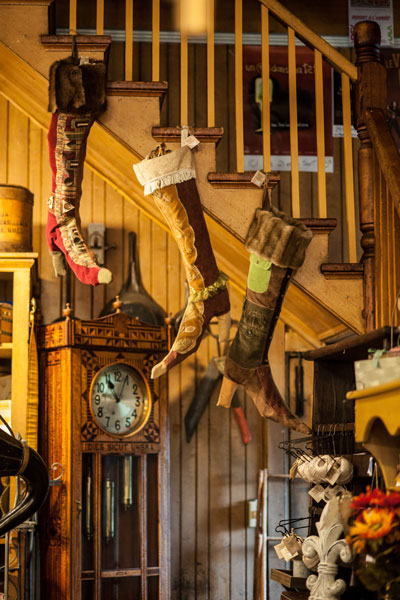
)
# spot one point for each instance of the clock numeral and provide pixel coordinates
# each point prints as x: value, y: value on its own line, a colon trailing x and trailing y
x: 97, y: 399
x: 137, y: 401
x: 134, y: 388
x: 127, y: 422
x: 117, y: 425
x: 108, y: 421
x: 100, y: 411
x: 117, y: 375
x: 100, y: 387
x: 134, y: 413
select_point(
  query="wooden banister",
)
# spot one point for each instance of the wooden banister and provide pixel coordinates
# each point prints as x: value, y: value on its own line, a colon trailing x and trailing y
x: 311, y: 39
x: 386, y: 151
x: 369, y: 90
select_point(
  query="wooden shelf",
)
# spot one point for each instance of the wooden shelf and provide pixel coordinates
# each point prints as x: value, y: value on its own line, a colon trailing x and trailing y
x: 286, y: 579
x: 377, y: 425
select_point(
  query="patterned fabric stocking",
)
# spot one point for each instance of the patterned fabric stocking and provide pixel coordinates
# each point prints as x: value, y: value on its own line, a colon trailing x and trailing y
x: 67, y: 148
x: 170, y: 180
x: 278, y: 245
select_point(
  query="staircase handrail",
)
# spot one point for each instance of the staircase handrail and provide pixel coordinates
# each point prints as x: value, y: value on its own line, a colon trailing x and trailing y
x: 386, y: 151
x: 311, y: 39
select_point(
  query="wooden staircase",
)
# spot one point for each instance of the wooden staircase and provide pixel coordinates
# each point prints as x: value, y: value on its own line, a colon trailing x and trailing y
x: 322, y: 302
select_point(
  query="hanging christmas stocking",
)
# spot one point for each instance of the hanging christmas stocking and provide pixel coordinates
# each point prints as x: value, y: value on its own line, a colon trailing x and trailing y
x: 77, y: 95
x: 277, y: 244
x: 170, y: 179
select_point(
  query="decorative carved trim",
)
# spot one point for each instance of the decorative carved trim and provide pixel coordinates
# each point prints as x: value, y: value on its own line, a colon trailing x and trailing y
x: 240, y: 180
x: 173, y: 134
x: 342, y: 270
x: 137, y: 88
x: 329, y: 548
x: 85, y: 43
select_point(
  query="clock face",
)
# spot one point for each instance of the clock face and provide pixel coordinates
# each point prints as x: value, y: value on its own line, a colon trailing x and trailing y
x: 120, y: 399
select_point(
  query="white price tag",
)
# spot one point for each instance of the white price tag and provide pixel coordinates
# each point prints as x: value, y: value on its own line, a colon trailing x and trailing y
x: 259, y: 178
x: 191, y: 141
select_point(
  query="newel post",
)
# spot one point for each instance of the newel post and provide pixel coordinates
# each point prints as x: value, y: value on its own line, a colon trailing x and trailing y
x: 369, y: 91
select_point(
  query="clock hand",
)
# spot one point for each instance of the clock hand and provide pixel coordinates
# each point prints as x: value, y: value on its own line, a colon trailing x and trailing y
x: 122, y: 387
x: 112, y: 388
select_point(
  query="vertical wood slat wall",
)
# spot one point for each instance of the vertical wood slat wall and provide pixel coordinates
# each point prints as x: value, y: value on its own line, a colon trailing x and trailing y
x: 387, y: 263
x: 214, y: 475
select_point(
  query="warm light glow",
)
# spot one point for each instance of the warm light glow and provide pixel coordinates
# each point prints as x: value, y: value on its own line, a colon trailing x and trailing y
x: 193, y: 16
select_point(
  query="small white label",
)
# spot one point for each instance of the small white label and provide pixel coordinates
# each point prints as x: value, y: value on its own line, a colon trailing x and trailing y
x: 317, y: 492
x: 259, y: 178
x: 191, y: 141
x: 332, y: 475
x: 84, y: 60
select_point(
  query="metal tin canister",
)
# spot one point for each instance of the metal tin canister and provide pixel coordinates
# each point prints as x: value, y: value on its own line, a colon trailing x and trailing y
x: 16, y: 204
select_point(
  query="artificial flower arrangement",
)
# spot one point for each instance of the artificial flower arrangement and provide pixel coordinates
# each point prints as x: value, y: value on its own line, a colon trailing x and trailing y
x: 374, y: 532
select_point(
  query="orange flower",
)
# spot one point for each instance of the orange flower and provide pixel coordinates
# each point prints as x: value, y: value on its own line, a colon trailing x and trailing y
x: 372, y: 524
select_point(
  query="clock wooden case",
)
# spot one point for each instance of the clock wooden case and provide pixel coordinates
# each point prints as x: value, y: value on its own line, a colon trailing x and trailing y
x: 105, y: 525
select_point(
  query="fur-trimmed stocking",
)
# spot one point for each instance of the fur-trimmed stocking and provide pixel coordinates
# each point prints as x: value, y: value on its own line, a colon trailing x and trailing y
x: 77, y: 95
x: 277, y: 244
x: 170, y: 180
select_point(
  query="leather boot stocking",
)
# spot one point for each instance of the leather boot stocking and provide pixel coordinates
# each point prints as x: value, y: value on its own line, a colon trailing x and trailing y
x: 77, y: 95
x: 170, y: 180
x: 277, y: 244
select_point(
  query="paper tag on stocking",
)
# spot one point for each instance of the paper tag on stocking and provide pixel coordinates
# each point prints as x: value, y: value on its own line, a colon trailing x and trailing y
x: 191, y: 141
x: 317, y: 492
x: 333, y: 474
x: 259, y: 178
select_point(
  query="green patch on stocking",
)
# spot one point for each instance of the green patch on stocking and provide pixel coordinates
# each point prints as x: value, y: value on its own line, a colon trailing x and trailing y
x: 259, y: 274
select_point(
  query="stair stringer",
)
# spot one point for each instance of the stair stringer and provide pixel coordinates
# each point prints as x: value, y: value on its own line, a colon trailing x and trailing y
x: 112, y: 159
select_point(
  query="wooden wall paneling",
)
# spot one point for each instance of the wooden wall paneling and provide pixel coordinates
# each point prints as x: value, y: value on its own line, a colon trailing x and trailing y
x: 275, y: 456
x: 159, y: 265
x: 188, y: 480
x: 230, y: 160
x: 237, y: 516
x: 334, y: 192
x: 219, y: 578
x: 4, y: 108
x: 146, y: 243
x: 175, y: 303
x: 131, y: 224
x: 18, y: 136
x: 114, y: 226
x: 396, y: 236
x: 173, y: 78
x: 35, y: 182
x: 199, y: 91
x: 223, y: 105
x: 98, y: 214
x: 83, y: 294
x: 207, y: 350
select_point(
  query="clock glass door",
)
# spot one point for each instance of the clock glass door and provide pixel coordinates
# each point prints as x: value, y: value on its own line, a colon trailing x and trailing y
x: 120, y: 526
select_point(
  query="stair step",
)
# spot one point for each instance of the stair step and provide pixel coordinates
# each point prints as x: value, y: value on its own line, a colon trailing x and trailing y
x: 85, y: 43
x: 320, y: 226
x: 173, y: 134
x: 240, y: 180
x: 342, y: 270
x: 30, y: 2
x: 137, y: 88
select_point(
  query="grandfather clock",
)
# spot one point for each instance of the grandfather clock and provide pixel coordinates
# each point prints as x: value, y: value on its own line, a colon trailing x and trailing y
x: 105, y: 525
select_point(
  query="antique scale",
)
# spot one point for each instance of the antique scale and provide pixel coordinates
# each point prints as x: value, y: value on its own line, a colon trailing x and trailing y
x: 105, y: 525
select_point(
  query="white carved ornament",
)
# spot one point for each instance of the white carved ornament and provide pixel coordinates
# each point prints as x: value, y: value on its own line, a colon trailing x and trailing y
x: 329, y: 548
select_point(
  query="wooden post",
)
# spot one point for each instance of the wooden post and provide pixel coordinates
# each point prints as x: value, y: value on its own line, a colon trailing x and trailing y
x: 369, y: 92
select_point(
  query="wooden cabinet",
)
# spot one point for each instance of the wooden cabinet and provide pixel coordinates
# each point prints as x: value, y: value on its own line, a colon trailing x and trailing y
x: 15, y: 286
x: 105, y: 532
